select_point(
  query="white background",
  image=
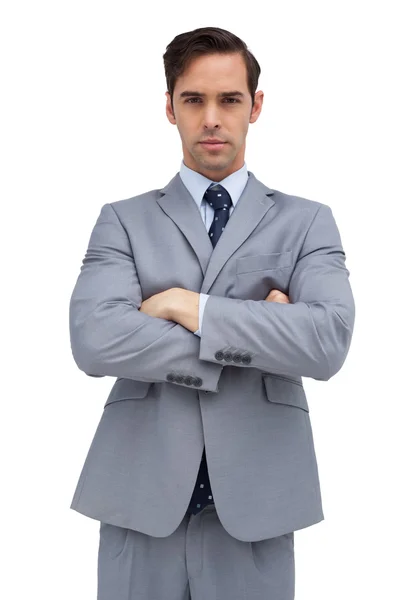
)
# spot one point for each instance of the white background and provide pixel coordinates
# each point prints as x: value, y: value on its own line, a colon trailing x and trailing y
x: 82, y: 124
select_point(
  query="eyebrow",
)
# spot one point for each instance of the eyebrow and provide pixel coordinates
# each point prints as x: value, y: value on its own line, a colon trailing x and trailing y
x: 221, y: 95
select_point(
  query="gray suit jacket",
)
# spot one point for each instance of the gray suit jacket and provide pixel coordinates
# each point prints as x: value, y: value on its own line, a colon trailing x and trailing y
x: 238, y: 388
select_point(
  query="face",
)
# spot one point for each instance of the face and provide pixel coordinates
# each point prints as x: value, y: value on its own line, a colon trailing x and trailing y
x: 211, y: 100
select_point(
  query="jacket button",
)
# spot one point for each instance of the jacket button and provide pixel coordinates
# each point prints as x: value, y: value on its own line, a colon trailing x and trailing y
x: 246, y: 359
x: 228, y: 356
x: 189, y: 380
x: 197, y: 381
x: 170, y: 377
x: 219, y: 355
x: 237, y: 358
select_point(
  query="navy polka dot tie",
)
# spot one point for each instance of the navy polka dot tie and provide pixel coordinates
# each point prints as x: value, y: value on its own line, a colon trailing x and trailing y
x: 220, y: 200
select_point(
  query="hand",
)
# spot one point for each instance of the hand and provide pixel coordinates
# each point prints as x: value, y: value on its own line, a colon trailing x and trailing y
x: 160, y: 304
x: 176, y: 304
x: 277, y: 296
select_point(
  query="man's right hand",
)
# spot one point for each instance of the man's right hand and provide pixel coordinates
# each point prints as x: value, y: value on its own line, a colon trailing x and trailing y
x: 277, y: 296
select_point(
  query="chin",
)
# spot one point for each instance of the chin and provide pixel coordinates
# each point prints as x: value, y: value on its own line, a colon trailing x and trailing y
x: 212, y: 162
x: 214, y: 165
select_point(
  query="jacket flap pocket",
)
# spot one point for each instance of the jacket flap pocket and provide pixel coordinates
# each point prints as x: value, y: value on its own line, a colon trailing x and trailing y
x: 284, y: 390
x: 127, y: 389
x: 263, y: 262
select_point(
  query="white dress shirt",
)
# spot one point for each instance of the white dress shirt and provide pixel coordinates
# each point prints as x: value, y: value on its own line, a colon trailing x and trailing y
x: 196, y: 185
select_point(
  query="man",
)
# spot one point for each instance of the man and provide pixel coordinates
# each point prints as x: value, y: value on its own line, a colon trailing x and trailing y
x: 209, y: 300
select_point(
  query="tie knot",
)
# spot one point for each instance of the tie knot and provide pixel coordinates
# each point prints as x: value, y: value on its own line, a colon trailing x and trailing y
x: 218, y: 197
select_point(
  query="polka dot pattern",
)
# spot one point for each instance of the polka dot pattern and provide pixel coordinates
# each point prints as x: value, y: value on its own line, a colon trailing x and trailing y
x: 202, y: 494
x: 219, y: 199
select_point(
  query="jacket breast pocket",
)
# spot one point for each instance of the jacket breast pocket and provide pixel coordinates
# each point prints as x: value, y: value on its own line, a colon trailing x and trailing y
x: 283, y: 389
x: 263, y: 262
x: 128, y: 389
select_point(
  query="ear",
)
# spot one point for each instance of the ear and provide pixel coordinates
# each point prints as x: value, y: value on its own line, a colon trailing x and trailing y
x: 256, y: 110
x: 168, y: 109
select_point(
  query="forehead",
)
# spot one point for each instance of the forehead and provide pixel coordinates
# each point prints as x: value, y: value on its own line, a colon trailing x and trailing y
x: 213, y: 73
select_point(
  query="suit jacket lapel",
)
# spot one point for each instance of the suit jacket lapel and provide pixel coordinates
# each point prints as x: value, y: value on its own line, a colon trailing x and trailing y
x: 179, y: 205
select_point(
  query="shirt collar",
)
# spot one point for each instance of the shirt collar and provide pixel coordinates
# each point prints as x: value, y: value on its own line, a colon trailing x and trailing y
x: 196, y: 183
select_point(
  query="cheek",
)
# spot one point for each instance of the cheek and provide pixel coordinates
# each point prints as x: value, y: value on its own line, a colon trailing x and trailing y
x: 183, y: 132
x: 239, y: 131
x: 244, y: 124
x: 239, y: 124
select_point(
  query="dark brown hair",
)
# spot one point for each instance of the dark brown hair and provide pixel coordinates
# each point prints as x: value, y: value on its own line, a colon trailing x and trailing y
x: 207, y: 40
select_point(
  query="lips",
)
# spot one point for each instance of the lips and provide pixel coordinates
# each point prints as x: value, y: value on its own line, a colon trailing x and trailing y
x: 213, y: 145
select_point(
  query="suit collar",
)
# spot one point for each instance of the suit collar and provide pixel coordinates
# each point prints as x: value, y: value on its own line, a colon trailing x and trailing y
x: 178, y: 204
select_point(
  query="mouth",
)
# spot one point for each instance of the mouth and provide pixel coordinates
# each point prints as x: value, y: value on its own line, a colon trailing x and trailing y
x: 213, y: 145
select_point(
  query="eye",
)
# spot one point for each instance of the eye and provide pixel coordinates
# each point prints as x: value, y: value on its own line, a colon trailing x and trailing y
x: 230, y: 99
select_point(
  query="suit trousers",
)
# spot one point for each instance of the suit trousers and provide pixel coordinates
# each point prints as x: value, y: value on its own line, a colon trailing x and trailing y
x: 198, y: 561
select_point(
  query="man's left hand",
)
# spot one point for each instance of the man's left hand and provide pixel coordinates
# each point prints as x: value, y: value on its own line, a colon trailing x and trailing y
x: 159, y: 305
x: 175, y: 304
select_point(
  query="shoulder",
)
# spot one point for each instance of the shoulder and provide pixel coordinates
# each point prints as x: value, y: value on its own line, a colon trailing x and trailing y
x: 292, y: 202
x: 298, y: 203
x: 136, y: 202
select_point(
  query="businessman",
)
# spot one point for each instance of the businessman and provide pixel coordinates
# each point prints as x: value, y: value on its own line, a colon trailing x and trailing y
x: 209, y: 300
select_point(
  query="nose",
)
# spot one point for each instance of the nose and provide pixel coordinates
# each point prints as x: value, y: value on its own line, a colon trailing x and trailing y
x: 211, y: 117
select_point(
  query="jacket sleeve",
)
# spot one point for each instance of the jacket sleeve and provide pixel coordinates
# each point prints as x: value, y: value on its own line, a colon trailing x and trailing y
x: 309, y: 337
x: 110, y: 336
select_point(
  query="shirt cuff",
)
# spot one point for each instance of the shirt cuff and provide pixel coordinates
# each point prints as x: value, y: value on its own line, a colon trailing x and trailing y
x: 202, y: 304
